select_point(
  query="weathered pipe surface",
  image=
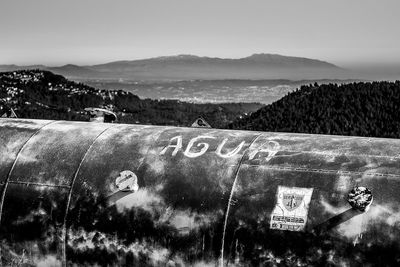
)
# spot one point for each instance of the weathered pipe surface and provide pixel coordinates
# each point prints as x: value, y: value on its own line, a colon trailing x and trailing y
x: 112, y: 194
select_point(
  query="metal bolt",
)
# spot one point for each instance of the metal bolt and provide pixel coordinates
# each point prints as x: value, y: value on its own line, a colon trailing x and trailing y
x: 360, y: 198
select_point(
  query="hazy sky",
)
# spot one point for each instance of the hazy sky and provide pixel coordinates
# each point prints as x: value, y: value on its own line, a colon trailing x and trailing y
x: 344, y: 32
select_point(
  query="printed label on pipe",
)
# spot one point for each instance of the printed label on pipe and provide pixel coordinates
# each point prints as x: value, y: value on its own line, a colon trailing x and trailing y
x: 291, y: 209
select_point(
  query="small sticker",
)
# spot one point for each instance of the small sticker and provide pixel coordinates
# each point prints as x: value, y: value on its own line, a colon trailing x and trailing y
x: 291, y: 209
x: 127, y: 181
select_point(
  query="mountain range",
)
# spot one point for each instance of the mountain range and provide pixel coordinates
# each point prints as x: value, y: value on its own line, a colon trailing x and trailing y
x: 190, y: 67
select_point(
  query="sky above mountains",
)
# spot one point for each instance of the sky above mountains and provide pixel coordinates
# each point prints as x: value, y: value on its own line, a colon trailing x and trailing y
x: 343, y: 32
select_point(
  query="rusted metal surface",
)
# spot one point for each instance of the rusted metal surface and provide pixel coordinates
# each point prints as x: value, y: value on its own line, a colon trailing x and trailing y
x: 82, y: 193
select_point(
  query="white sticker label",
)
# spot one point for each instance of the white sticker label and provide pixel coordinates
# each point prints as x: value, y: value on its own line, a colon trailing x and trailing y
x: 291, y: 209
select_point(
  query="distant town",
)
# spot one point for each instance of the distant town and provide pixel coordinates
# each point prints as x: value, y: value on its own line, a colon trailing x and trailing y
x: 44, y: 95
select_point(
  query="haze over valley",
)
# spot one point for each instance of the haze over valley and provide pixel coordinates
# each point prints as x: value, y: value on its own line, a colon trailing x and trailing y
x: 209, y: 91
x: 262, y: 78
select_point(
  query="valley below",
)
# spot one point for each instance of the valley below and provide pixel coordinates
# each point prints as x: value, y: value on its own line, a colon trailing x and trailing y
x: 209, y: 91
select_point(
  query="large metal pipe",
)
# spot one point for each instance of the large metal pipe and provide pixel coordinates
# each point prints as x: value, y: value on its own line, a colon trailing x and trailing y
x: 114, y: 194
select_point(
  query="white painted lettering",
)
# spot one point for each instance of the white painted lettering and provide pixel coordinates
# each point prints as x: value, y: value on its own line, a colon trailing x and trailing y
x: 229, y: 154
x: 203, y: 150
x: 176, y: 146
x: 270, y: 147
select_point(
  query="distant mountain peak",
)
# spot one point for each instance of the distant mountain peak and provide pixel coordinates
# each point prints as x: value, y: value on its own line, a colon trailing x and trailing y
x: 265, y: 55
x: 181, y: 56
x: 70, y: 66
x: 290, y: 61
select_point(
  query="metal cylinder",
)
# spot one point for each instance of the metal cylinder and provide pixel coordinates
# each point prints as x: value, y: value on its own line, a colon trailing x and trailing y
x: 114, y: 194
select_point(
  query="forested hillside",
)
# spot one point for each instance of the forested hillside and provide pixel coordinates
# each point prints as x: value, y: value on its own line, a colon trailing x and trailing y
x: 44, y: 95
x: 362, y: 109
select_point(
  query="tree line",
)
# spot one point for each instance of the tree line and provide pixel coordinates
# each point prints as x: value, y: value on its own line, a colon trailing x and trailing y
x: 360, y: 109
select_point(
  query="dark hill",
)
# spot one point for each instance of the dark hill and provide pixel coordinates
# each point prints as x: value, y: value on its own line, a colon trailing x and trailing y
x: 361, y: 109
